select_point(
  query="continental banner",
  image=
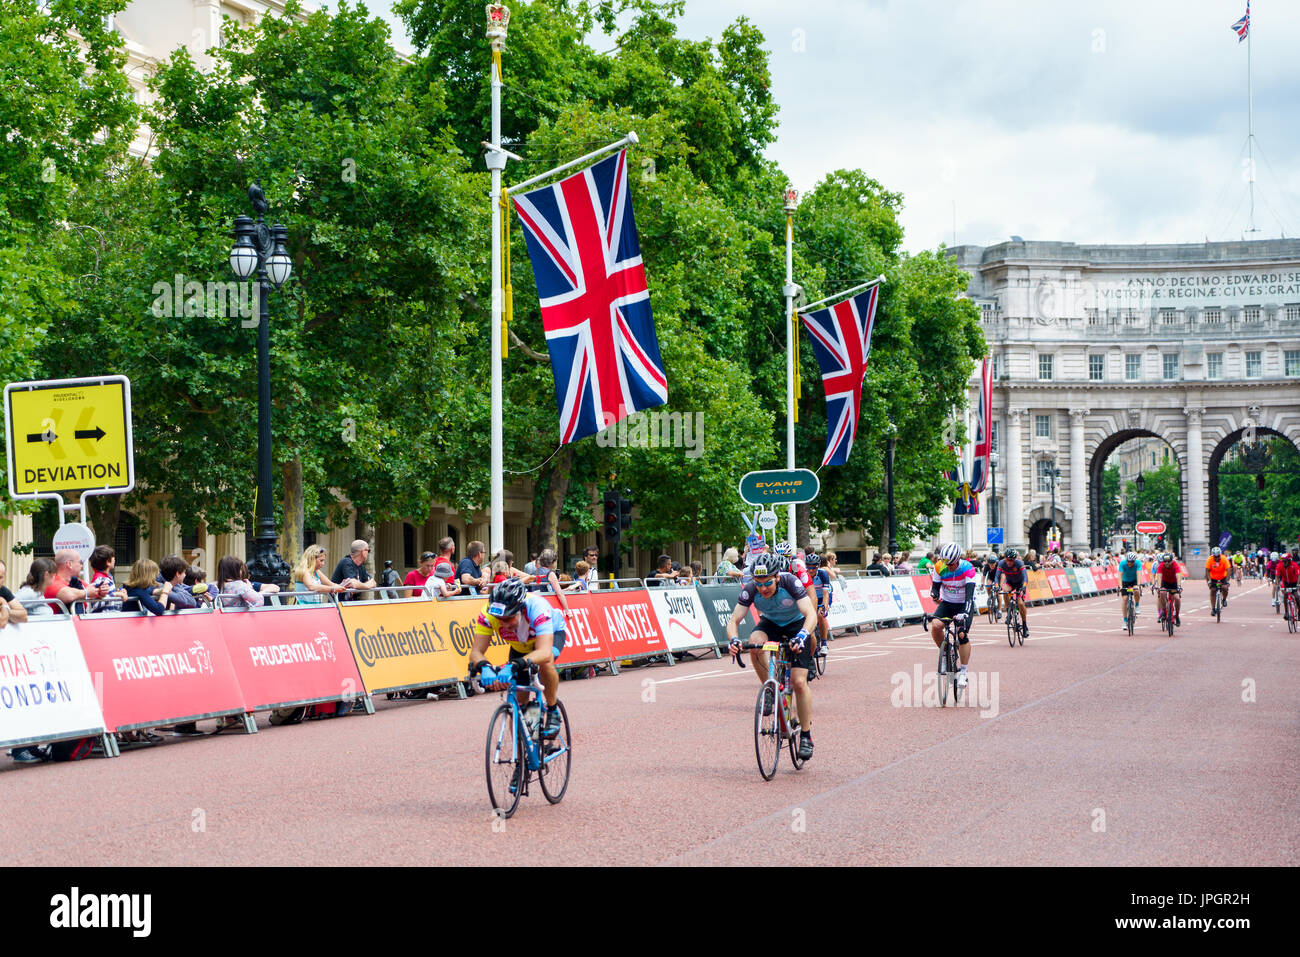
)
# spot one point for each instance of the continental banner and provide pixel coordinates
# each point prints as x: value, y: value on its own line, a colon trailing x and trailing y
x: 720, y: 604
x: 290, y: 656
x: 1036, y: 586
x: 46, y: 692
x: 160, y: 669
x: 683, y: 621
x: 413, y: 642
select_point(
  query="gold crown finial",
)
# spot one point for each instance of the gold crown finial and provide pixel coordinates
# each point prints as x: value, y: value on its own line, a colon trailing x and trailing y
x: 498, y: 21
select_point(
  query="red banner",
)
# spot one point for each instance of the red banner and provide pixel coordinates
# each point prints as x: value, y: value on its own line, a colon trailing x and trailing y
x: 610, y: 625
x: 1107, y: 579
x: 159, y: 669
x: 922, y: 583
x: 284, y: 656
x: 1058, y: 582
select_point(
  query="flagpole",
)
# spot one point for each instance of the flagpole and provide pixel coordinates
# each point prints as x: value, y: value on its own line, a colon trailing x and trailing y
x: 840, y: 295
x: 630, y: 140
x: 498, y: 20
x: 1250, y: 127
x: 790, y: 290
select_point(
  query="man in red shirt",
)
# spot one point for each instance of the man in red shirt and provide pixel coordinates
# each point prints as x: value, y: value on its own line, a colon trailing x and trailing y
x: 1288, y: 573
x: 1169, y: 572
x: 66, y: 586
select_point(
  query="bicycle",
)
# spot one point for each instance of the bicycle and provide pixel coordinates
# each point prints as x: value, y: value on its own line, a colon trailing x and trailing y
x: 1167, y: 608
x: 1292, y: 604
x: 1130, y: 607
x: 819, y: 657
x: 1015, y: 625
x: 774, y: 718
x: 994, y: 610
x: 517, y: 748
x: 949, y: 661
x: 1216, y: 603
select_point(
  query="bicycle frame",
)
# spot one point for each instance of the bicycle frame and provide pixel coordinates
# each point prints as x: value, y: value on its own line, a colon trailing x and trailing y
x: 533, y: 693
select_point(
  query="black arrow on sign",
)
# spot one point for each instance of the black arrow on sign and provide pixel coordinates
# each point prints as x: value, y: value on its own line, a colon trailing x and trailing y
x: 97, y: 433
x: 47, y: 436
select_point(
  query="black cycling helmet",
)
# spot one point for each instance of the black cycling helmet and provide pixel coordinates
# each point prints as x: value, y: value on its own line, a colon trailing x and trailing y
x: 812, y: 560
x: 507, y: 598
x: 767, y: 564
x: 1009, y: 553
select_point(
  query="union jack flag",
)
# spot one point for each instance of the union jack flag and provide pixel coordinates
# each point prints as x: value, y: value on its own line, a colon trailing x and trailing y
x: 841, y: 338
x: 979, y: 468
x: 595, y: 303
x: 1242, y: 26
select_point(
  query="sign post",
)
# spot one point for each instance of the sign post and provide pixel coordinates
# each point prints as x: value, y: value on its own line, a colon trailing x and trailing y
x: 69, y: 435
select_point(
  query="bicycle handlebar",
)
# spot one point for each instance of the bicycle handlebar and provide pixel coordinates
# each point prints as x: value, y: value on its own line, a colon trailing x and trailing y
x: 750, y: 646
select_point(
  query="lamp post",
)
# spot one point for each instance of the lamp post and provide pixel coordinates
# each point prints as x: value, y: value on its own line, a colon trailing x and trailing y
x: 260, y: 248
x: 1053, y: 475
x: 889, y: 477
x: 993, y: 479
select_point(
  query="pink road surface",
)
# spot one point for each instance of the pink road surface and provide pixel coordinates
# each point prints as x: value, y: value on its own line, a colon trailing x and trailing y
x: 1096, y: 748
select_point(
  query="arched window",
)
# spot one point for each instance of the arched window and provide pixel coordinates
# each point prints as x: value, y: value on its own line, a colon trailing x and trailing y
x: 125, y: 537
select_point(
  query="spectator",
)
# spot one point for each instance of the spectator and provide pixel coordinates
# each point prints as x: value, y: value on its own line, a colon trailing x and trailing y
x: 546, y: 575
x: 310, y: 586
x: 172, y: 571
x: 581, y: 577
x: 468, y: 573
x: 390, y: 580
x: 697, y: 569
x: 830, y: 562
x: 1031, y: 560
x: 418, y: 577
x: 196, y: 582
x: 16, y: 613
x: 40, y: 578
x: 351, y: 572
x: 102, y: 562
x: 923, y: 564
x: 727, y: 567
x: 664, y: 573
x: 140, y: 589
x: 232, y: 579
x: 686, y: 577
x: 500, y: 571
x: 439, y: 584
x: 876, y: 566
x: 590, y: 556
x: 904, y: 566
x: 66, y: 586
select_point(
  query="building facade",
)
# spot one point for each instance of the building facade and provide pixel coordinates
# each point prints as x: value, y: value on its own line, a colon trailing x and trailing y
x: 1191, y: 346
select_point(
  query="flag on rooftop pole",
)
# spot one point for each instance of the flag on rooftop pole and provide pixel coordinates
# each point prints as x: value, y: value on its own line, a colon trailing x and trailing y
x: 595, y: 302
x: 1242, y: 26
x: 841, y: 336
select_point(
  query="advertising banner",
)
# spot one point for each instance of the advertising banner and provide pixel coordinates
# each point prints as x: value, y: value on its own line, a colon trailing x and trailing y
x: 46, y: 692
x: 586, y: 632
x: 683, y: 621
x: 1036, y: 586
x: 1075, y: 591
x: 159, y: 669
x: 889, y: 599
x: 855, y: 597
x: 1106, y: 579
x: 413, y: 642
x: 1086, y: 584
x: 720, y: 603
x: 290, y: 656
x: 921, y: 583
x: 1058, y: 582
x: 842, y: 614
x: 629, y: 624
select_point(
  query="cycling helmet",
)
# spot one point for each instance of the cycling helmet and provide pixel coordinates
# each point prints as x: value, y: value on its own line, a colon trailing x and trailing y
x: 813, y: 560
x: 767, y: 564
x: 507, y: 598
x: 1216, y: 551
x: 1131, y: 557
x: 950, y: 553
x: 783, y: 548
x: 1009, y: 554
x: 1272, y: 556
x: 1166, y: 557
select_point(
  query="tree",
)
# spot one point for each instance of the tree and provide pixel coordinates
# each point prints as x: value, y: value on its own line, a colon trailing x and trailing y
x: 1161, y: 499
x: 1110, y: 503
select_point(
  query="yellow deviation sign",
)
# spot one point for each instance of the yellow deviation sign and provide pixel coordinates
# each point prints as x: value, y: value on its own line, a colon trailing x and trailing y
x: 69, y: 435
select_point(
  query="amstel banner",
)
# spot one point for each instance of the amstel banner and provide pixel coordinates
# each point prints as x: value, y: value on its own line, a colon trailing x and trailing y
x: 290, y: 656
x: 611, y: 625
x: 160, y: 669
x: 46, y: 692
x: 413, y: 642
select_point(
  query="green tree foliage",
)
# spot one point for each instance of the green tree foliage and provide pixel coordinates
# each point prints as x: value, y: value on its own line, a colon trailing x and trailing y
x: 1161, y: 499
x: 1110, y: 504
x: 1269, y: 516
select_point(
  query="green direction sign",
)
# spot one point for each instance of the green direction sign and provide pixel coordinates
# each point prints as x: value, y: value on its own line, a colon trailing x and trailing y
x: 779, y: 487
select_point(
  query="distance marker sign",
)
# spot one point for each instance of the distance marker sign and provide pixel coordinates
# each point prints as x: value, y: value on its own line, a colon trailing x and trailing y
x: 69, y: 435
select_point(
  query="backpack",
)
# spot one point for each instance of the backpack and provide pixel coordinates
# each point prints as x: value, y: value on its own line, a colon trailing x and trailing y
x: 73, y: 750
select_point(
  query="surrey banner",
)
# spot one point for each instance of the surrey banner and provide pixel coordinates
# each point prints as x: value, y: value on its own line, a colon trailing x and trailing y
x: 46, y: 691
x: 683, y: 621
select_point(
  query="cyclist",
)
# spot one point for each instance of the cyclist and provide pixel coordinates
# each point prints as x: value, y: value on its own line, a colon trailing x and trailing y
x: 1010, y: 573
x: 1168, y: 576
x: 821, y: 580
x: 786, y: 614
x: 1288, y: 572
x: 1238, y: 565
x: 1218, y: 574
x: 988, y: 570
x: 1129, y: 567
x: 535, y: 633
x: 952, y: 579
x: 1270, y: 572
x: 798, y: 567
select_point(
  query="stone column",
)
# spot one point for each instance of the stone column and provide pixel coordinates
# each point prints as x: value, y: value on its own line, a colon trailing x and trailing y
x: 1080, y: 540
x: 1197, y: 532
x: 19, y: 531
x: 1014, y: 476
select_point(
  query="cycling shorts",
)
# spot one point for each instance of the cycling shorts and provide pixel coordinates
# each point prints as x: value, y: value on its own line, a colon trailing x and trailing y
x: 951, y: 609
x: 1170, y: 588
x: 783, y: 633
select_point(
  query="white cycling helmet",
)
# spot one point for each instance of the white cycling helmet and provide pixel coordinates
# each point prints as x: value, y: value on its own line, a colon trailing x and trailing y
x: 1272, y: 556
x: 1216, y: 550
x: 950, y: 553
x: 783, y: 548
x: 1132, y: 557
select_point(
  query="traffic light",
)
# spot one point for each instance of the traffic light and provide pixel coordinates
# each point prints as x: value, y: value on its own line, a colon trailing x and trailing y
x: 1125, y: 548
x: 625, y: 510
x: 1160, y: 543
x: 613, y: 528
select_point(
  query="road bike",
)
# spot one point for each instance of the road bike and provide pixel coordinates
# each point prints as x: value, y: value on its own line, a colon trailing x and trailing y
x: 1015, y: 624
x: 994, y: 610
x: 1130, y: 606
x: 1216, y: 602
x: 1292, y: 604
x: 949, y: 660
x: 775, y: 721
x: 517, y: 749
x: 1167, y: 609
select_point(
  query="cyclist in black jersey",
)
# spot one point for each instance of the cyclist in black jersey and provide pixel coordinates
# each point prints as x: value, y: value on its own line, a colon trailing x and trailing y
x: 1010, y: 573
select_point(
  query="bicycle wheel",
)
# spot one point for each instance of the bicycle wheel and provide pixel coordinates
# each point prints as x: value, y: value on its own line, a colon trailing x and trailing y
x: 557, y: 751
x: 1012, y: 613
x: 819, y: 659
x: 1169, y: 617
x: 943, y: 674
x: 953, y: 666
x: 1129, y: 613
x: 792, y: 740
x: 767, y: 738
x: 506, y: 761
x: 1020, y: 630
x: 1218, y: 607
x: 1291, y: 613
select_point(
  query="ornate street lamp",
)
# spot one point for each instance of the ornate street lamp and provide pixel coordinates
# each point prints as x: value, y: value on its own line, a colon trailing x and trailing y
x: 260, y: 248
x: 889, y: 474
x: 1054, y: 476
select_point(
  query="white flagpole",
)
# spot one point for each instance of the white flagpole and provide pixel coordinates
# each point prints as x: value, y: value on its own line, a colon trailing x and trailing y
x: 630, y: 140
x: 1250, y: 127
x: 842, y: 295
x: 497, y: 23
x: 790, y: 290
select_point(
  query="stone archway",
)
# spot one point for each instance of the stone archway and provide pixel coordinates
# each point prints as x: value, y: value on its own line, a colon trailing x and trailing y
x: 1097, y: 466
x: 1212, y: 469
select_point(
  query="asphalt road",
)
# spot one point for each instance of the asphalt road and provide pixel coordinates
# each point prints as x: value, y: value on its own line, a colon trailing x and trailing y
x: 1085, y: 746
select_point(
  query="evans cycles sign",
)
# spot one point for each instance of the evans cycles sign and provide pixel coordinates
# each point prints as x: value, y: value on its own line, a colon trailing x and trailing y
x: 779, y: 487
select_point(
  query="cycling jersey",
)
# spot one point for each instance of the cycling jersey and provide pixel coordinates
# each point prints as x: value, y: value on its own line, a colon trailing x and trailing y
x: 1013, y: 572
x: 820, y: 581
x: 1168, y: 572
x: 799, y: 568
x: 1218, y: 568
x: 953, y: 581
x: 537, y: 618
x: 1288, y: 573
x: 1128, y: 572
x: 1238, y: 558
x: 782, y: 607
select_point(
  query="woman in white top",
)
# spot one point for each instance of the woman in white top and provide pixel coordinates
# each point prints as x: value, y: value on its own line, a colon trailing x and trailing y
x: 33, y: 590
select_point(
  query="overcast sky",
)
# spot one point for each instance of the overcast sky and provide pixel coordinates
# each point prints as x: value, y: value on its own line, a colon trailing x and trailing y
x: 1102, y: 121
